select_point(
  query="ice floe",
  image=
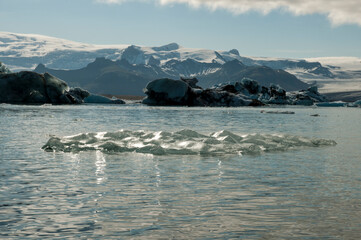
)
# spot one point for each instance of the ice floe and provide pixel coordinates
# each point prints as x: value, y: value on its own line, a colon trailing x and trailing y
x: 184, y: 142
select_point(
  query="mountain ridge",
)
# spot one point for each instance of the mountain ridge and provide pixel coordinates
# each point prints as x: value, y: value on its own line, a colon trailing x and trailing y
x: 26, y: 51
x: 104, y: 76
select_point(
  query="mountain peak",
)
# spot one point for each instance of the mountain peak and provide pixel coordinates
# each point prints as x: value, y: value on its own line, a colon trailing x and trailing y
x: 168, y: 47
x: 40, y: 68
x: 100, y: 62
x: 234, y: 51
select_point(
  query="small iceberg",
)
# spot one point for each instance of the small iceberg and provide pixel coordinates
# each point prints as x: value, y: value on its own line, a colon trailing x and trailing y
x: 355, y: 104
x: 184, y: 142
x: 331, y: 104
x: 93, y: 98
x: 278, y: 112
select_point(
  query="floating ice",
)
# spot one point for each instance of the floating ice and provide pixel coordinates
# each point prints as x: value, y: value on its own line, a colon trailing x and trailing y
x: 278, y: 112
x: 93, y: 98
x: 355, y: 104
x: 184, y: 142
x: 331, y: 104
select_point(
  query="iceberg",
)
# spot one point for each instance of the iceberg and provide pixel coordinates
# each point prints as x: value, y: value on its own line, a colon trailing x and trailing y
x: 93, y: 98
x: 167, y: 92
x: 247, y: 92
x: 331, y: 104
x: 355, y: 104
x: 278, y: 112
x: 34, y: 88
x: 183, y: 142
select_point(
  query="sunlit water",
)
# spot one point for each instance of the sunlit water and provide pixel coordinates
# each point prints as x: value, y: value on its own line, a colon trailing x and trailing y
x: 303, y: 192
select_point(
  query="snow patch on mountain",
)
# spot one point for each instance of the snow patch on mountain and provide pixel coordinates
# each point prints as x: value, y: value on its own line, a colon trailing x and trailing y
x: 34, y: 45
x: 141, y: 55
x: 346, y: 63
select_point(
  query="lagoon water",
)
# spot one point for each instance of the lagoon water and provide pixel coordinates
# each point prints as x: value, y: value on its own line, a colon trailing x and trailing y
x: 300, y: 189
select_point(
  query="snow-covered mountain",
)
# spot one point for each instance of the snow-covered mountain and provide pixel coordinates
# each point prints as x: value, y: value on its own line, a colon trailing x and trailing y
x: 104, y: 76
x: 26, y: 51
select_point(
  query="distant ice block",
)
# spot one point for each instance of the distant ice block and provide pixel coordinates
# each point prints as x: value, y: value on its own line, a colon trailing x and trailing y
x: 331, y: 104
x: 93, y: 98
x: 355, y: 104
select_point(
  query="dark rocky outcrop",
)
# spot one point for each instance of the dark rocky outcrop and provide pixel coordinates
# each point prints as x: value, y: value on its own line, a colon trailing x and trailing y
x: 34, y: 88
x: 247, y: 92
x: 166, y: 91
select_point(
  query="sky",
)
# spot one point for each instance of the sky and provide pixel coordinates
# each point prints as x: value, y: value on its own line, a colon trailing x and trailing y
x: 261, y: 28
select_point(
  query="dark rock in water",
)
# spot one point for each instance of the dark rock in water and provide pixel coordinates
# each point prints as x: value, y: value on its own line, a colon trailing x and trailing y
x: 244, y: 93
x: 306, y: 97
x: 167, y: 91
x: 216, y: 98
x: 251, y: 85
x: 277, y: 92
x: 277, y: 95
x: 229, y: 88
x: 256, y: 103
x: 35, y: 88
x: 179, y: 92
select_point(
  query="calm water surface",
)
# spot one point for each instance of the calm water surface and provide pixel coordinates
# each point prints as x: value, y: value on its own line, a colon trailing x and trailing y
x: 306, y: 193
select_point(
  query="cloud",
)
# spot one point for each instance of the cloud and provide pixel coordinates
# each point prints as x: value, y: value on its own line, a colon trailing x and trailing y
x: 337, y: 11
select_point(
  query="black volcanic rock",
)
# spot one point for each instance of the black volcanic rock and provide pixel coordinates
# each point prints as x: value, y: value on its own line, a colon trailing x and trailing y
x: 35, y: 88
x: 192, y: 82
x: 167, y: 92
x: 244, y: 93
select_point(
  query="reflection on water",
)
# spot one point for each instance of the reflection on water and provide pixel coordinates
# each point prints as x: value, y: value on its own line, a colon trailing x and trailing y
x: 309, y: 193
x: 100, y: 166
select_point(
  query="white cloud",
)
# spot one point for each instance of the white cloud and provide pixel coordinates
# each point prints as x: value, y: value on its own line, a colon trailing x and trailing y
x: 338, y: 11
